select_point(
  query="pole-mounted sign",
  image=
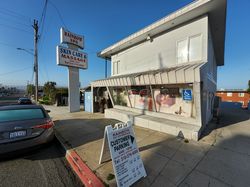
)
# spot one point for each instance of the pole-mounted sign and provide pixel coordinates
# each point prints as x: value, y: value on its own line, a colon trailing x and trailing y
x: 73, y: 58
x: 71, y: 38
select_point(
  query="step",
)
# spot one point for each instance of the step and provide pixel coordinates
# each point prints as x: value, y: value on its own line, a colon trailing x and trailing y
x: 175, y: 128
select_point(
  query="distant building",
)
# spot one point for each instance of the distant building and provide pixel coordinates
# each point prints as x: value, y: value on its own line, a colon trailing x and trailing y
x: 164, y: 77
x: 239, y: 96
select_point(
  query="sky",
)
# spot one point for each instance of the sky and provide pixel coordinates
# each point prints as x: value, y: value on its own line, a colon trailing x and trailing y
x: 102, y: 23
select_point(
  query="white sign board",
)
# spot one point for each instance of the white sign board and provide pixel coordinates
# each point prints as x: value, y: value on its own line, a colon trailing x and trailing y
x: 71, y: 38
x: 73, y: 58
x: 127, y: 163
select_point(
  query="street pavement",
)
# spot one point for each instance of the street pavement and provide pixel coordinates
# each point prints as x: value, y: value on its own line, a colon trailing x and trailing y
x: 220, y: 158
x: 44, y: 166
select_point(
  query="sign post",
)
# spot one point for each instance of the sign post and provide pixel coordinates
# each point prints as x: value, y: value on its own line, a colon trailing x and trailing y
x: 73, y: 58
x: 123, y: 150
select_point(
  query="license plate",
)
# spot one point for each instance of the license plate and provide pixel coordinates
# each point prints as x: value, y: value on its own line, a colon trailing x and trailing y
x: 17, y: 134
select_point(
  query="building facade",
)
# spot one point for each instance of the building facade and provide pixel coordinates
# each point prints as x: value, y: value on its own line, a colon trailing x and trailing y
x: 164, y: 76
x: 238, y: 96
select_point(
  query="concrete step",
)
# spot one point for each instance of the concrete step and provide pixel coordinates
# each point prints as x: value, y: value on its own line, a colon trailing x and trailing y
x: 176, y: 128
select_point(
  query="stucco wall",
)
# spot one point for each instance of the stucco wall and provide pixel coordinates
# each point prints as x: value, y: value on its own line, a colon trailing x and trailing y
x: 160, y: 51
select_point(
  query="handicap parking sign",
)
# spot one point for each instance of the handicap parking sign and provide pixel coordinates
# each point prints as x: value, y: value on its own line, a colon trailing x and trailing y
x: 187, y: 95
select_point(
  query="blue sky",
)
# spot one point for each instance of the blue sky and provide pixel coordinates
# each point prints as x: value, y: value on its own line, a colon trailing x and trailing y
x: 103, y: 23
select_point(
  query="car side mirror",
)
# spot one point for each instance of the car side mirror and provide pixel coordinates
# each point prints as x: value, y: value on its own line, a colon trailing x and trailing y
x: 48, y: 111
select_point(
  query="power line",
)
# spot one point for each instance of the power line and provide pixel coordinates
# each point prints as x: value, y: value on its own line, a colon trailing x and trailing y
x: 59, y: 14
x: 15, y: 14
x: 15, y: 71
x: 14, y: 21
x: 42, y: 19
x: 16, y: 28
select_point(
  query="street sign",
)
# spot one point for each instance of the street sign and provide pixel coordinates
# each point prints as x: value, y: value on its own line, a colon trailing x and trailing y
x: 187, y: 95
x: 71, y: 38
x: 127, y: 163
x: 70, y: 57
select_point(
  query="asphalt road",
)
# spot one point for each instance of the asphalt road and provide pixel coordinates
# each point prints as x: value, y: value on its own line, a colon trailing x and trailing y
x: 10, y: 100
x: 44, y: 167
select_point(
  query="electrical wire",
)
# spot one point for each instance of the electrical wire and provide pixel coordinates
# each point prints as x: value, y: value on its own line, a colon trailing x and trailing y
x: 16, y: 28
x: 13, y: 21
x: 15, y: 71
x: 14, y: 14
x: 59, y: 14
x: 42, y: 19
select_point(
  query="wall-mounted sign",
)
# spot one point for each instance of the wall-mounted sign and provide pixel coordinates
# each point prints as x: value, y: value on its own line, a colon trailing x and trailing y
x: 187, y: 95
x: 73, y: 58
x: 71, y: 38
x: 127, y: 163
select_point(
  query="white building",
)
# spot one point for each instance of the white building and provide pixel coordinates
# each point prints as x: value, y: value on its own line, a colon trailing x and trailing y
x: 164, y: 76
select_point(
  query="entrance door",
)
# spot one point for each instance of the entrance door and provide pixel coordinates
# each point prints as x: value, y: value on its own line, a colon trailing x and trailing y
x: 88, y: 101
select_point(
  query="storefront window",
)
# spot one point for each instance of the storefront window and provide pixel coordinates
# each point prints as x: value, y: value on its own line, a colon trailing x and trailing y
x: 140, y: 97
x: 165, y: 99
x: 169, y: 100
x: 119, y: 96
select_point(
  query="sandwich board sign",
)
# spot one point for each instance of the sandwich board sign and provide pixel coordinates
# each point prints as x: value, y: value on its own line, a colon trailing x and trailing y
x: 119, y: 144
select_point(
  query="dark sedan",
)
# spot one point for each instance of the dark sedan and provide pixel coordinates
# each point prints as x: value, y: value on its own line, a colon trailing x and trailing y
x: 24, y: 101
x: 24, y: 126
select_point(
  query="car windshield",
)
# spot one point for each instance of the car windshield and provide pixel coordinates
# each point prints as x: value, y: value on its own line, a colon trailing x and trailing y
x: 21, y: 114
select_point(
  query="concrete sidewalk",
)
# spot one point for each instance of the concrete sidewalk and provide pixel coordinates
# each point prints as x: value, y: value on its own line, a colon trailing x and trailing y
x: 220, y: 158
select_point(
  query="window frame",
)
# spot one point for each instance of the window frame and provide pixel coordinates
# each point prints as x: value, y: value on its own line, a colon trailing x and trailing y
x: 188, y: 47
x: 241, y: 94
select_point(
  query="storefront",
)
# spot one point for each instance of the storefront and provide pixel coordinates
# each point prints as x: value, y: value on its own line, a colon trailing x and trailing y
x: 164, y: 77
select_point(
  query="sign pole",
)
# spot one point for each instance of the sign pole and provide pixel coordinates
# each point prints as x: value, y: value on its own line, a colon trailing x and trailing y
x: 73, y: 58
x: 73, y: 86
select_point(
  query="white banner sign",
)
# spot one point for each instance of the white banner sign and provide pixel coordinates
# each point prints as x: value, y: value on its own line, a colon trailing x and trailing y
x: 127, y: 163
x: 73, y: 58
x: 71, y: 38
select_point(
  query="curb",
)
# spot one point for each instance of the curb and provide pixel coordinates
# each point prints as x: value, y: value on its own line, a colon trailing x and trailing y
x: 85, y: 174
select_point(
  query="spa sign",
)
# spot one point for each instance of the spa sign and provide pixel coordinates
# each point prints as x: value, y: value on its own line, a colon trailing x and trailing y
x: 70, y: 57
x: 126, y: 160
x: 71, y: 38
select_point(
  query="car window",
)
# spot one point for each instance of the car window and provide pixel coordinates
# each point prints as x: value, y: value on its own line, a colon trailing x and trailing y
x: 21, y: 114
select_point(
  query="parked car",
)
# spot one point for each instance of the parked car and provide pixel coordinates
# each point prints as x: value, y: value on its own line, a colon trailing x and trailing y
x: 24, y: 101
x: 24, y: 126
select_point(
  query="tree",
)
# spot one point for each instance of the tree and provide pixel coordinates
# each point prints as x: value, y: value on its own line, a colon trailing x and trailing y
x: 248, y: 90
x: 49, y: 90
x: 30, y: 89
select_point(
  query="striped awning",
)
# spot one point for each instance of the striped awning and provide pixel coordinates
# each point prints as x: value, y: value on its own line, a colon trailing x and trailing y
x: 188, y: 73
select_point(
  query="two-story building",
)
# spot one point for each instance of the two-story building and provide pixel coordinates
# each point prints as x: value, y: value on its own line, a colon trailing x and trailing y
x: 164, y: 76
x: 235, y: 96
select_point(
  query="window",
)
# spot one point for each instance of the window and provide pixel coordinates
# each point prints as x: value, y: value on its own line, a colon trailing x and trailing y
x: 182, y: 51
x: 241, y: 94
x: 195, y: 48
x: 21, y: 114
x: 116, y: 67
x: 229, y: 94
x: 190, y: 49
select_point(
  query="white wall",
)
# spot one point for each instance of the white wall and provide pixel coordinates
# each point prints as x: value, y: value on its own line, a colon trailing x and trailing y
x: 161, y: 52
x: 209, y: 79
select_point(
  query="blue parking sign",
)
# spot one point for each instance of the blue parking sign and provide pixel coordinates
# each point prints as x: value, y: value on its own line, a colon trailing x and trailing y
x: 187, y: 95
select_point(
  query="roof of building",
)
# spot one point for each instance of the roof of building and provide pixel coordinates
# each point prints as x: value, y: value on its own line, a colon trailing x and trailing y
x: 183, y: 74
x: 216, y: 10
x: 232, y: 90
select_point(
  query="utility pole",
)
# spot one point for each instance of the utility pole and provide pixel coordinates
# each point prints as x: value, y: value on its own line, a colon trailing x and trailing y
x: 35, y: 26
